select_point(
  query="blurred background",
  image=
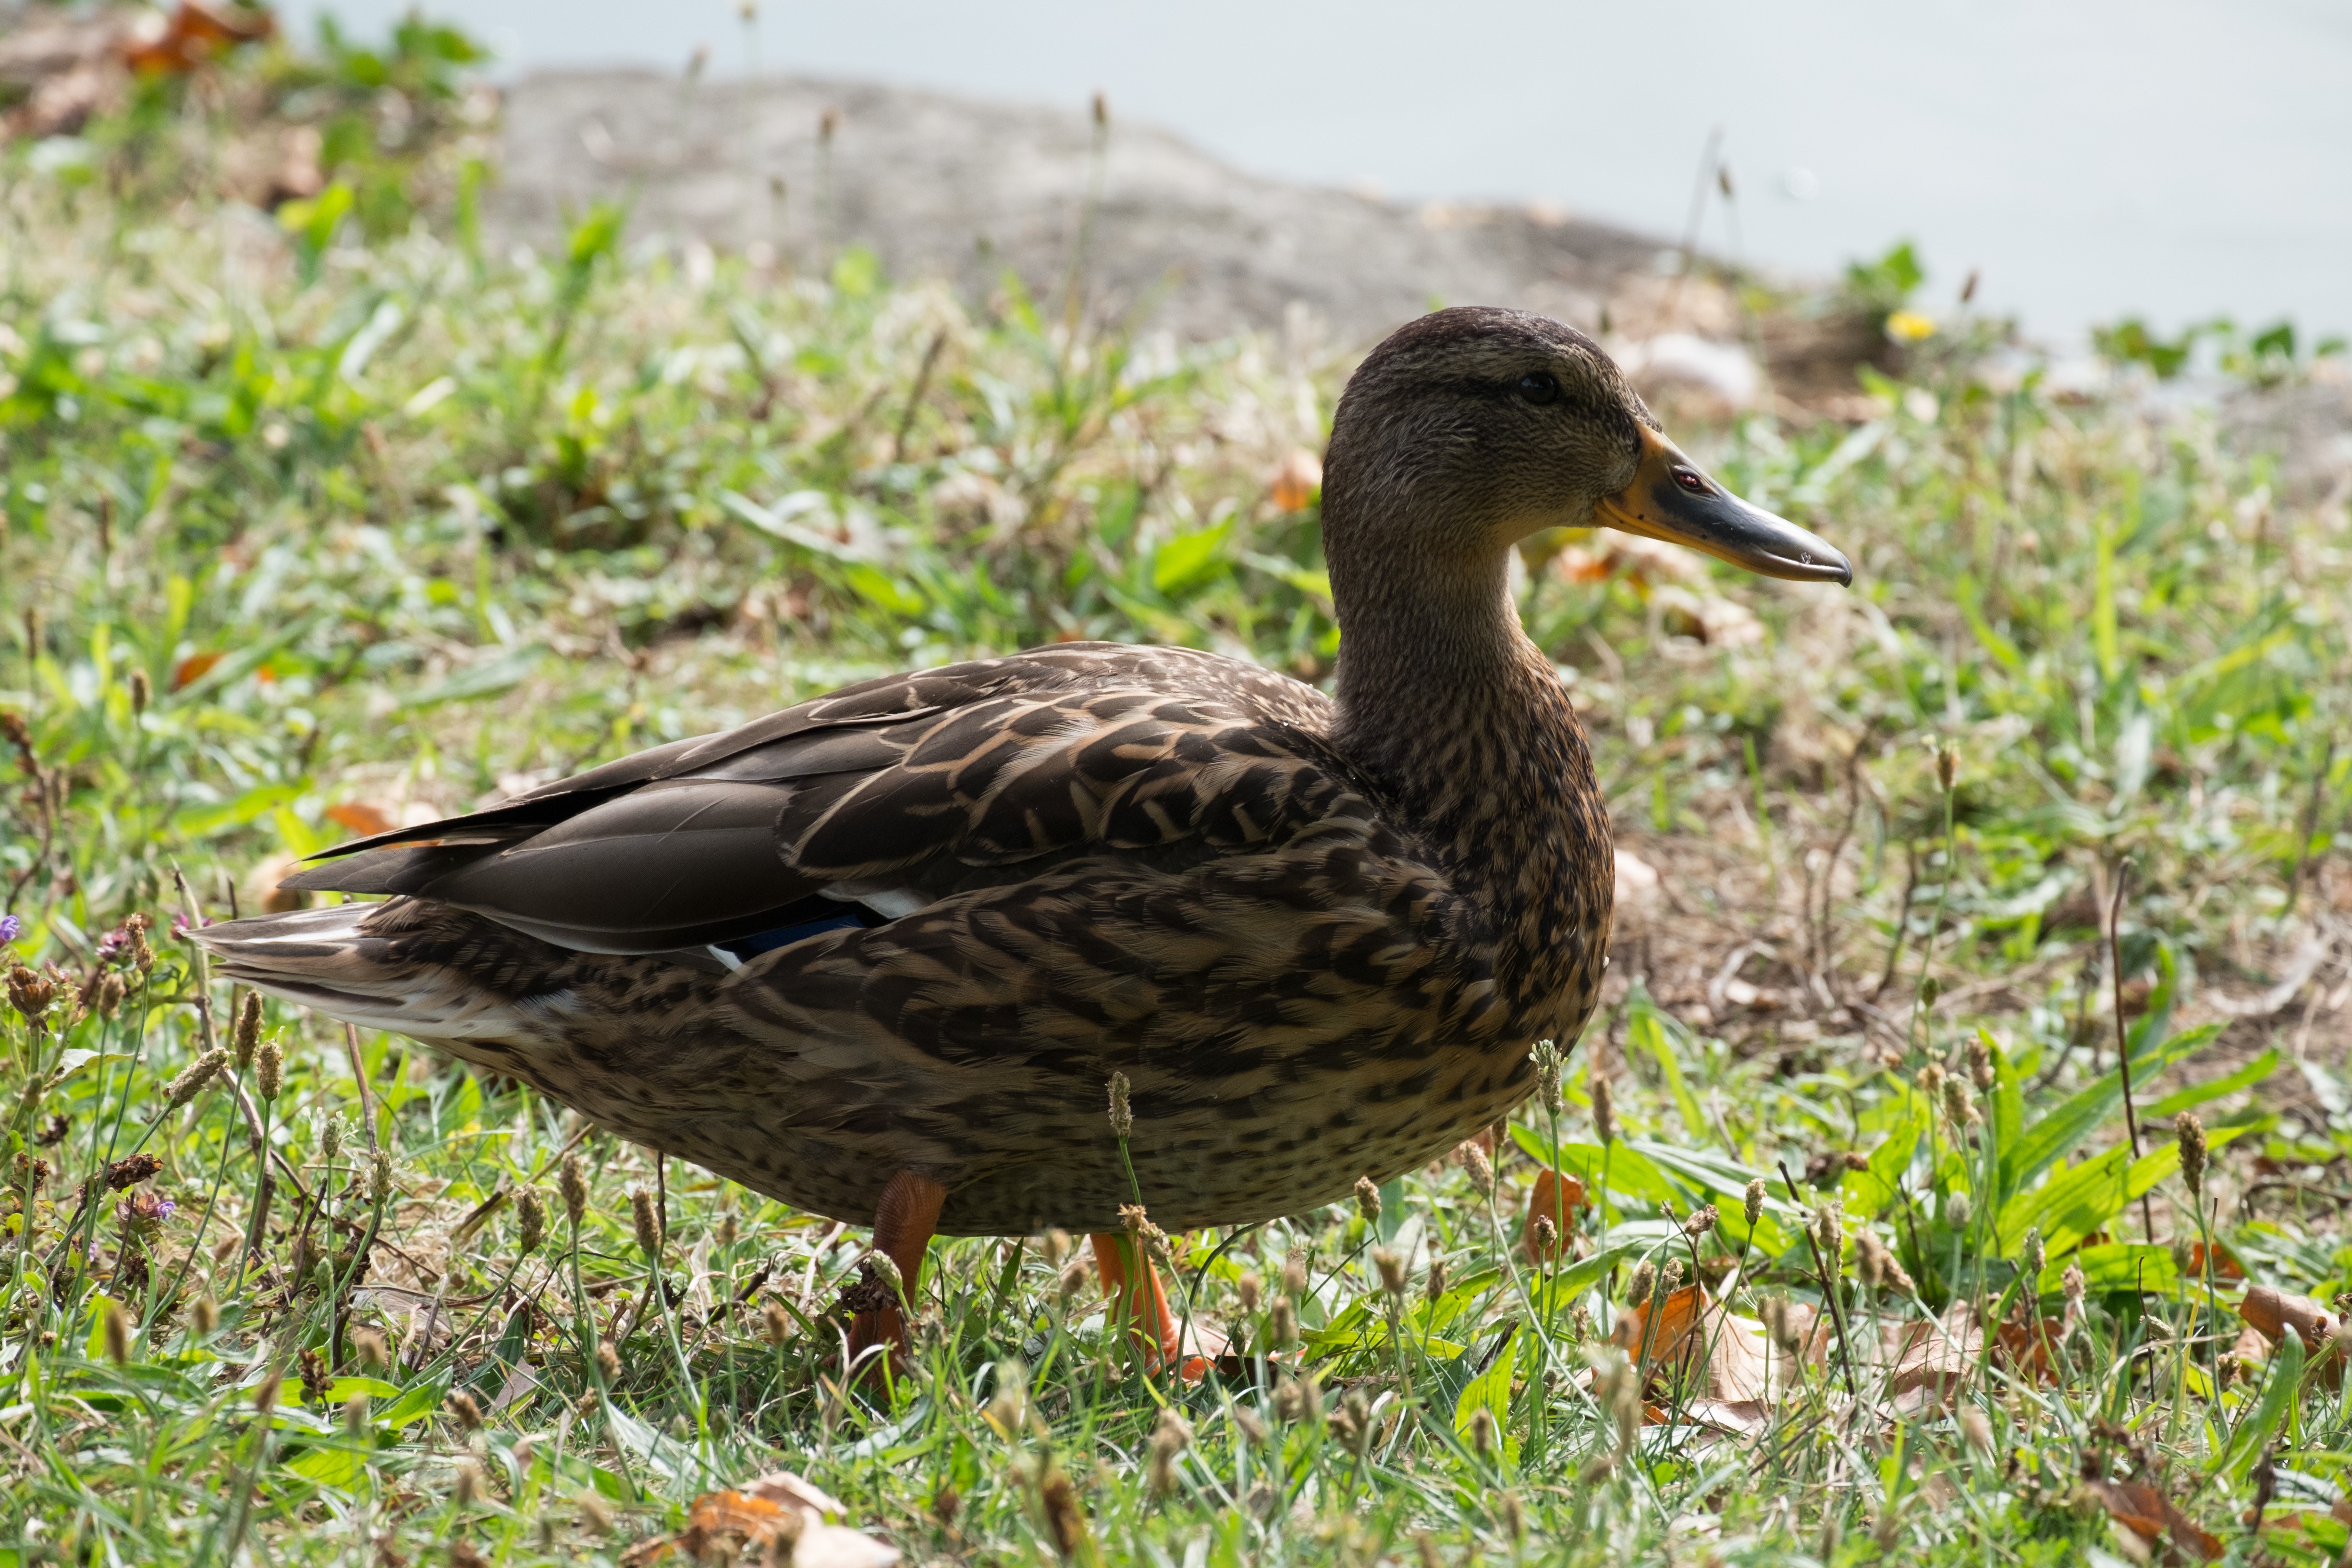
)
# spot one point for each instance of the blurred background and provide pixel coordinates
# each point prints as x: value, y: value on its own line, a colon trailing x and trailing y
x: 2166, y: 158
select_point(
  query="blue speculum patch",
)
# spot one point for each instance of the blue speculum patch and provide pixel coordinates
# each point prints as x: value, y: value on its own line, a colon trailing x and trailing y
x: 837, y: 917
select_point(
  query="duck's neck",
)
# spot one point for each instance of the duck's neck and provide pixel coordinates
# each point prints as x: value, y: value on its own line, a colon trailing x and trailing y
x: 1445, y: 701
x: 1440, y: 691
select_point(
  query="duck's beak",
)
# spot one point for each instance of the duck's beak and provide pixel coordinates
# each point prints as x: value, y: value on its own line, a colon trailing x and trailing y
x: 1674, y: 499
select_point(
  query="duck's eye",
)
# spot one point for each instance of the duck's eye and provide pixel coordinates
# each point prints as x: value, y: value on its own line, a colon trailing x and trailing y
x: 1690, y: 480
x: 1538, y: 386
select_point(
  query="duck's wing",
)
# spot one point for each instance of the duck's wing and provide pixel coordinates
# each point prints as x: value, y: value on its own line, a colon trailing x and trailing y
x: 873, y: 801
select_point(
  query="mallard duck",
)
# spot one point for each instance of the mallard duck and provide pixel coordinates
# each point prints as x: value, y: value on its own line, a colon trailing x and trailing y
x: 878, y: 955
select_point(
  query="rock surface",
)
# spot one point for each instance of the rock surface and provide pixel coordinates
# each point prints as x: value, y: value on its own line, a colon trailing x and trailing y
x: 939, y: 186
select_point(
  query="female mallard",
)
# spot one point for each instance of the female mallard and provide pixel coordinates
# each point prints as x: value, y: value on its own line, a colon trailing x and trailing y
x: 878, y: 956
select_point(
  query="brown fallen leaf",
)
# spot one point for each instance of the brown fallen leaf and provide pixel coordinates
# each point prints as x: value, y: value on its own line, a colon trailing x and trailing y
x: 196, y: 33
x: 363, y: 817
x: 262, y: 892
x: 1932, y: 1361
x: 2030, y: 1346
x: 2150, y: 1515
x: 1672, y: 1338
x: 779, y: 1508
x: 2272, y: 1312
x: 2225, y: 1266
x: 1559, y: 1197
x: 1742, y: 1366
x: 1296, y: 481
x: 193, y: 667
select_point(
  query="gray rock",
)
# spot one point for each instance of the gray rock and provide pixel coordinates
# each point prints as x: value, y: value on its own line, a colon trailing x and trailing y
x: 938, y: 186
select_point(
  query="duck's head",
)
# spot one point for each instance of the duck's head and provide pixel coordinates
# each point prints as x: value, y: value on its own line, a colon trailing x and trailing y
x: 1470, y: 428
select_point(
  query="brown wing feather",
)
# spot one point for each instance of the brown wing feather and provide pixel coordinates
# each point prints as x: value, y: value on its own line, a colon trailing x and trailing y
x: 918, y: 778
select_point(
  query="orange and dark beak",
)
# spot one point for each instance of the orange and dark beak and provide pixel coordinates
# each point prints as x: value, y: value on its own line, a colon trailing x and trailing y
x: 1672, y: 498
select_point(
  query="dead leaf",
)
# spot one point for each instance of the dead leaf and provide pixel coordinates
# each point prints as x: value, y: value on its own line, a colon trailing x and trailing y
x: 2150, y: 1515
x: 1296, y: 481
x: 1718, y: 622
x: 193, y: 667
x: 1742, y: 1365
x: 2274, y: 1311
x: 1675, y: 1336
x: 1735, y: 1417
x: 1932, y: 1361
x: 1643, y: 563
x: 262, y: 892
x: 776, y: 1507
x: 362, y: 817
x: 2029, y: 1347
x: 196, y: 32
x: 2225, y: 1266
x: 1559, y: 1197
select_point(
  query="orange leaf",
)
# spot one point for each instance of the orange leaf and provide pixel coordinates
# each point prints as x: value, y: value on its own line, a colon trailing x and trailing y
x: 1556, y: 1196
x: 2150, y: 1515
x: 1294, y: 483
x: 361, y: 818
x: 2027, y: 1346
x: 1675, y: 1335
x: 2224, y: 1266
x: 192, y: 669
x: 196, y: 32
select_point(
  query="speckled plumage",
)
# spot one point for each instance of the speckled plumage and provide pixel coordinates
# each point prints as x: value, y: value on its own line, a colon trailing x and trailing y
x: 1318, y: 934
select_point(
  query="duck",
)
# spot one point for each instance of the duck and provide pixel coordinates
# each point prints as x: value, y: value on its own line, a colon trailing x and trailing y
x: 891, y: 954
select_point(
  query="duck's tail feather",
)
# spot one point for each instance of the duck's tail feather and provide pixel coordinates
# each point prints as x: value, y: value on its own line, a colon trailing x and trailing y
x: 331, y: 962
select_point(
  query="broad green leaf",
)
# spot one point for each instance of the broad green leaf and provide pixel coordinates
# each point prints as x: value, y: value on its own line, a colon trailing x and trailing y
x: 95, y: 1346
x: 1868, y: 1192
x: 483, y: 677
x: 413, y: 1404
x: 1646, y: 1029
x: 1971, y: 601
x: 2115, y: 1266
x: 1190, y: 559
x: 2254, y: 1432
x: 1725, y: 1180
x: 1585, y: 1273
x: 2008, y: 1095
x: 882, y: 591
x: 337, y: 1465
x: 1491, y: 1391
x: 2197, y: 1094
x: 2059, y: 1133
x: 1628, y: 1173
x: 203, y: 822
x: 1430, y: 1317
x: 341, y: 1390
x: 2086, y: 1198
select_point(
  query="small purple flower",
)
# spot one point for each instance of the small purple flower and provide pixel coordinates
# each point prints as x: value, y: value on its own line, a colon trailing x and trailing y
x: 11, y: 927
x: 112, y: 942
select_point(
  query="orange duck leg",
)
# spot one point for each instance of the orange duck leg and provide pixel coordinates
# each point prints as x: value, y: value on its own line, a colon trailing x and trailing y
x: 1142, y: 1301
x: 903, y: 1224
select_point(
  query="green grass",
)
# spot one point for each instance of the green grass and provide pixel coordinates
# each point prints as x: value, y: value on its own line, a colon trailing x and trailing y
x: 315, y: 518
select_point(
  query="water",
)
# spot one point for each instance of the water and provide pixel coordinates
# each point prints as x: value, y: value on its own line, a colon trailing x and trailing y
x: 2089, y: 160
